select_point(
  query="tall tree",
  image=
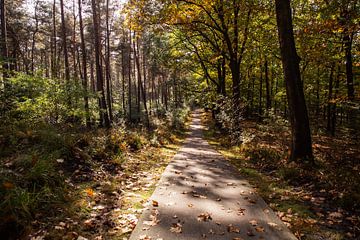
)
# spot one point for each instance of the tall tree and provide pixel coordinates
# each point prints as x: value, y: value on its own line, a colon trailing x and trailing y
x: 84, y: 66
x: 4, y: 48
x: 301, y: 148
x: 108, y: 64
x: 104, y: 117
x: 66, y: 55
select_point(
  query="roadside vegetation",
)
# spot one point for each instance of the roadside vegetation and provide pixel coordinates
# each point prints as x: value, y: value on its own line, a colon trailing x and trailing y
x: 319, y: 202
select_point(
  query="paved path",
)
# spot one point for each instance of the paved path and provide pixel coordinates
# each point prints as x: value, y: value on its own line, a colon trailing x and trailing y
x: 201, y: 196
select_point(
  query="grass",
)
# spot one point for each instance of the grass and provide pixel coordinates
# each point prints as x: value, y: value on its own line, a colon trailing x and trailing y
x: 298, y: 196
x: 55, y: 180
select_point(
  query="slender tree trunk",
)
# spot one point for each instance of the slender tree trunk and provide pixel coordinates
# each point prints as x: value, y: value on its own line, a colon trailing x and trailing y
x: 66, y: 55
x: 260, y: 90
x: 330, y: 95
x: 348, y: 38
x: 4, y: 48
x: 301, y: 148
x: 123, y: 77
x: 107, y: 64
x: 129, y: 79
x: 54, y: 62
x: 99, y: 74
x: 267, y: 85
x: 84, y: 67
x: 34, y: 37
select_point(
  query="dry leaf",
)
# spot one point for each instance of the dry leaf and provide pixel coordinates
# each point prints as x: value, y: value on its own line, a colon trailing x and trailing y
x: 241, y: 211
x: 144, y: 237
x: 253, y: 222
x: 8, y: 185
x: 89, y: 192
x: 232, y: 228
x: 176, y: 228
x: 204, y: 217
x: 190, y: 205
x: 155, y: 203
x: 260, y: 229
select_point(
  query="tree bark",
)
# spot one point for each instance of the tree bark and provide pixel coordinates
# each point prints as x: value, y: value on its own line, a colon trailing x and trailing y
x: 4, y: 48
x: 349, y: 72
x: 267, y: 85
x: 84, y: 67
x: 99, y: 74
x: 301, y: 148
x: 107, y: 65
x: 66, y: 55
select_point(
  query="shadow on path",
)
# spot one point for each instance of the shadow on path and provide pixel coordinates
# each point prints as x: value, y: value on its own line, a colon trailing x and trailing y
x: 199, y: 183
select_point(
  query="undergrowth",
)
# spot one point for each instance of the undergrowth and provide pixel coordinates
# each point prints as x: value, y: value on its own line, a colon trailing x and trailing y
x: 316, y: 203
x: 46, y: 171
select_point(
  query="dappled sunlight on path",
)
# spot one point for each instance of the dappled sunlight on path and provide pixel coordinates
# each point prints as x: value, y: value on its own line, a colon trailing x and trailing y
x: 201, y: 196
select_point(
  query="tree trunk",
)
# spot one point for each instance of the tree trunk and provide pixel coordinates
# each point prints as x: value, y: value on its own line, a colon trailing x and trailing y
x: 84, y: 67
x: 349, y: 72
x: 53, y: 42
x: 66, y: 55
x: 330, y: 95
x: 129, y: 79
x: 301, y: 148
x: 107, y: 64
x: 99, y: 74
x: 34, y: 37
x: 267, y: 85
x: 4, y: 48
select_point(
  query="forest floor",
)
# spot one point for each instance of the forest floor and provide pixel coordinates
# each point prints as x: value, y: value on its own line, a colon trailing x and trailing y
x: 59, y: 184
x: 321, y: 202
x: 80, y: 185
x: 202, y: 196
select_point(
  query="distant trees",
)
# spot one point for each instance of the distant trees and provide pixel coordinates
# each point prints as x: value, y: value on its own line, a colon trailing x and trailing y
x: 108, y: 61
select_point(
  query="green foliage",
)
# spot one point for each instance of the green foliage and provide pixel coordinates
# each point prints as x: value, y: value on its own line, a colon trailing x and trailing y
x: 177, y: 117
x: 34, y: 98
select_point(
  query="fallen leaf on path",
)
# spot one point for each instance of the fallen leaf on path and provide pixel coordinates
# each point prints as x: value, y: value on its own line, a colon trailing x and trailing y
x: 204, y: 217
x: 144, y: 237
x: 253, y: 222
x: 237, y: 238
x: 203, y: 235
x: 260, y: 229
x: 218, y: 199
x: 241, y: 211
x: 190, y: 205
x: 232, y: 228
x: 176, y: 228
x: 155, y: 203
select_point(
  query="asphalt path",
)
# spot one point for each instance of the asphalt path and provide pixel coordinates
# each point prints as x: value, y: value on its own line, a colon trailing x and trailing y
x: 201, y: 196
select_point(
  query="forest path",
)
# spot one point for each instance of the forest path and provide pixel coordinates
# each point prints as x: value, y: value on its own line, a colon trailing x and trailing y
x: 201, y: 196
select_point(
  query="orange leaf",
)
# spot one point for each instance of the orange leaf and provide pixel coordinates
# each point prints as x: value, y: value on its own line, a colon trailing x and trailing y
x: 8, y: 185
x: 89, y: 192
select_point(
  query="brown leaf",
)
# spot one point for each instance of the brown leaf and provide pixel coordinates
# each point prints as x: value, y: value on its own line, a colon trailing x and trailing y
x: 260, y: 229
x: 190, y: 205
x: 253, y: 222
x: 204, y: 217
x: 155, y: 203
x: 232, y: 228
x: 144, y: 237
x: 176, y: 228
